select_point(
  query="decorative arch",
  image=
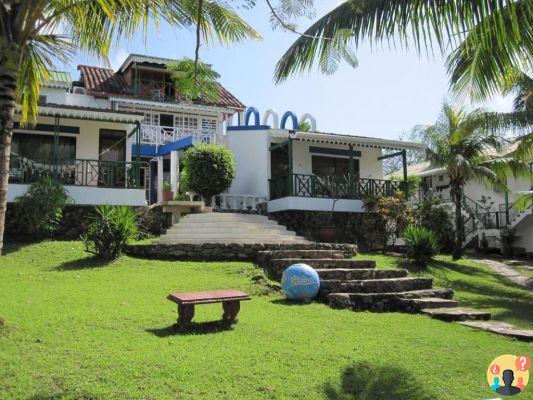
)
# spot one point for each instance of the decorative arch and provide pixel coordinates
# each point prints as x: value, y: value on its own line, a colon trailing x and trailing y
x: 289, y: 114
x: 311, y: 119
x: 275, y: 118
x: 249, y: 112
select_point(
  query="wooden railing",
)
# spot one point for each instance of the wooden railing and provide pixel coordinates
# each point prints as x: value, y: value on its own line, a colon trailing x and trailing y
x: 79, y: 172
x: 302, y: 185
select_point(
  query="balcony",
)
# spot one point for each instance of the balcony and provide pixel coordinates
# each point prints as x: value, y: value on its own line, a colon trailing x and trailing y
x: 312, y: 186
x: 79, y: 172
x: 158, y: 135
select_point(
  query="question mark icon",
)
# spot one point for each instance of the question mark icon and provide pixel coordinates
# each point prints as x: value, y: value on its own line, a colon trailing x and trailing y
x: 523, y: 363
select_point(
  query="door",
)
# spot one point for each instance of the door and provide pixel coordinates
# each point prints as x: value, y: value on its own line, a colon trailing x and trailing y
x: 112, y: 157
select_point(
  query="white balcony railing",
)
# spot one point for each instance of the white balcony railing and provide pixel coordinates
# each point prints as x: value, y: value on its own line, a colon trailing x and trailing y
x: 158, y: 135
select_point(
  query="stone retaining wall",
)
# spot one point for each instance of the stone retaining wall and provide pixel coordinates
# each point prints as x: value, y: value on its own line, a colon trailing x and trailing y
x: 225, y: 252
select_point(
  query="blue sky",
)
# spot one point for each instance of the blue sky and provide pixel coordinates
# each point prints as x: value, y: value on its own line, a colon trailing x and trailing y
x: 387, y: 94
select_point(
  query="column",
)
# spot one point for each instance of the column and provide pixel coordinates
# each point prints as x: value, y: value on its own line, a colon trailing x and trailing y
x: 174, y: 171
x: 159, y: 179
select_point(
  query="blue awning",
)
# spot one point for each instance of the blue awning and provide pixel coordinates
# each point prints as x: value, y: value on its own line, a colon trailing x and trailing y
x: 155, y: 151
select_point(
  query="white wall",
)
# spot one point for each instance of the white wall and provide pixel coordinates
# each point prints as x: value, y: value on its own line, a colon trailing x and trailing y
x: 252, y: 156
x: 61, y: 96
x: 524, y: 232
x: 314, y: 204
x: 90, y: 195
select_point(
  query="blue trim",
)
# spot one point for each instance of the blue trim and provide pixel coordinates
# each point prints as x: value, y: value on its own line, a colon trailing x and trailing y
x: 153, y: 151
x: 248, y: 128
x: 293, y: 119
x: 249, y: 112
x: 337, y: 152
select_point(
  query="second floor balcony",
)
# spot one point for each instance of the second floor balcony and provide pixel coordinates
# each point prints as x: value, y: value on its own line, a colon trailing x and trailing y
x: 159, y: 135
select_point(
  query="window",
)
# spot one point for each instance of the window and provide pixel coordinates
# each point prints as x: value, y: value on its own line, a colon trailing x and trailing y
x: 39, y: 147
x: 209, y: 125
x: 151, y: 119
x: 441, y: 178
x: 185, y: 122
x: 279, y: 162
x: 332, y: 166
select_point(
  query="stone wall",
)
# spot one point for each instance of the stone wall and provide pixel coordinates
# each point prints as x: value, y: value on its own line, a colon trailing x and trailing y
x: 76, y: 219
x: 357, y: 228
x: 225, y: 252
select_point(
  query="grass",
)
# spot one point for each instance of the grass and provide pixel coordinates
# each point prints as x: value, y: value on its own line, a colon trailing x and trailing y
x: 474, y: 284
x: 78, y: 329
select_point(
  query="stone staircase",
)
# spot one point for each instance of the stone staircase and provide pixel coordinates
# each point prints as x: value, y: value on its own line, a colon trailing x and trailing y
x: 228, y: 228
x: 346, y: 283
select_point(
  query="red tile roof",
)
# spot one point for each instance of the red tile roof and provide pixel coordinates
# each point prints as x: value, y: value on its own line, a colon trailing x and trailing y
x: 104, y: 81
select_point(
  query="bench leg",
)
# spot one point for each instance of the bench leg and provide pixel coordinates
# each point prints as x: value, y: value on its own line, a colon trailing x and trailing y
x: 185, y: 314
x: 231, y: 310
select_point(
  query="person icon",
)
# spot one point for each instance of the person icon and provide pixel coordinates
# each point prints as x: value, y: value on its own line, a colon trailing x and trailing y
x: 496, y: 383
x: 508, y: 389
x: 520, y: 384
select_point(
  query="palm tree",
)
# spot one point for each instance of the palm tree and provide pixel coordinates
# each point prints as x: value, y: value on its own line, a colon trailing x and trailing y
x: 466, y: 145
x: 489, y: 39
x: 30, y: 43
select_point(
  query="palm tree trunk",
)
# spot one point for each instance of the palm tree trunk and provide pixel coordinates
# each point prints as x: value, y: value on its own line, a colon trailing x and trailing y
x: 458, y: 248
x: 8, y: 85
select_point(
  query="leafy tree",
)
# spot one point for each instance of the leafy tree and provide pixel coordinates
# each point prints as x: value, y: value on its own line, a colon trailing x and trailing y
x: 466, y: 145
x: 196, y: 82
x: 42, y: 206
x: 29, y: 45
x: 209, y: 168
x: 429, y: 214
x: 490, y: 40
x: 304, y: 126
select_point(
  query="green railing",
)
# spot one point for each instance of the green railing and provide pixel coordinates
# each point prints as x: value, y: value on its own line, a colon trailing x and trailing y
x: 303, y: 185
x: 80, y: 172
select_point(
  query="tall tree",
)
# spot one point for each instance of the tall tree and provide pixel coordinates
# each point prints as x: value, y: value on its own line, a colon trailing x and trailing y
x: 466, y: 145
x: 489, y: 39
x: 30, y: 44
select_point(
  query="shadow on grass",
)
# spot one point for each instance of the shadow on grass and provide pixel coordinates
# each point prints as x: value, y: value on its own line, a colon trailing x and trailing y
x: 64, y: 395
x: 82, y: 263
x: 366, y: 381
x: 286, y: 302
x: 12, y: 247
x: 195, y: 328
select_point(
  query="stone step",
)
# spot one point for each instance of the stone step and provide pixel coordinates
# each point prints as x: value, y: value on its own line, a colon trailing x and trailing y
x: 358, y: 273
x: 501, y: 328
x: 416, y: 305
x: 229, y: 235
x: 324, y: 263
x: 379, y: 302
x: 227, y: 232
x: 230, y: 224
x: 456, y: 314
x: 291, y: 240
x: 224, y: 217
x: 392, y: 285
x: 301, y: 254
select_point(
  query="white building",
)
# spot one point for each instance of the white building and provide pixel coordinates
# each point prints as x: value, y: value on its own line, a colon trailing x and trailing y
x: 112, y: 136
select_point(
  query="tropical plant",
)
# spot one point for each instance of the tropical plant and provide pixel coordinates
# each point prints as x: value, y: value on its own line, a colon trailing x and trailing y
x: 109, y: 230
x: 422, y: 244
x: 30, y: 43
x: 41, y: 207
x: 431, y: 215
x: 195, y: 82
x: 490, y: 40
x: 210, y: 169
x: 466, y: 145
x: 166, y: 187
x: 304, y: 126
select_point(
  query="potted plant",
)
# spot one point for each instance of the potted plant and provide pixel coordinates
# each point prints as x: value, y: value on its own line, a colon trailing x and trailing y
x: 328, y: 231
x: 167, y: 193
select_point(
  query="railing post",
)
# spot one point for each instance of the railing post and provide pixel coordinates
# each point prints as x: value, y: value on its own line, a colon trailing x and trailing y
x: 290, y: 168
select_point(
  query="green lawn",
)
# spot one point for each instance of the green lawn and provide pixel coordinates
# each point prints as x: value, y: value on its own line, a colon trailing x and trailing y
x: 475, y: 285
x: 78, y: 329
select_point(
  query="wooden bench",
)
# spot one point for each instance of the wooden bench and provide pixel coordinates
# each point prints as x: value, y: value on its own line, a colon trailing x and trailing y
x: 230, y: 299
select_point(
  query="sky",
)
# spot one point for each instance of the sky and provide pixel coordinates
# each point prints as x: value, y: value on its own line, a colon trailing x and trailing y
x: 389, y: 92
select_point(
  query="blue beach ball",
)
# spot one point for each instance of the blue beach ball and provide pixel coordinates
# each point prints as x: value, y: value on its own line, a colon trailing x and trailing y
x: 300, y: 282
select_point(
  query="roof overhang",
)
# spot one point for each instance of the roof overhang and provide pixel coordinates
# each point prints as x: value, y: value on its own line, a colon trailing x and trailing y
x: 173, y: 106
x: 346, y: 140
x: 85, y: 113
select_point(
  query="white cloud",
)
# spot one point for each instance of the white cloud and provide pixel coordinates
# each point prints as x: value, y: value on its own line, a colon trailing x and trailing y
x: 117, y: 57
x: 500, y: 103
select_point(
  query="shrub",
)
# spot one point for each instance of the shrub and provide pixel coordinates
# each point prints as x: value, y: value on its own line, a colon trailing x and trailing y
x: 422, y: 244
x: 429, y: 214
x: 110, y: 229
x: 42, y: 206
x: 210, y: 169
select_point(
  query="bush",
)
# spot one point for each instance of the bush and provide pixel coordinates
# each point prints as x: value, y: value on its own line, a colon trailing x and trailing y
x: 42, y: 206
x: 110, y: 230
x: 429, y: 214
x: 422, y: 244
x: 209, y: 169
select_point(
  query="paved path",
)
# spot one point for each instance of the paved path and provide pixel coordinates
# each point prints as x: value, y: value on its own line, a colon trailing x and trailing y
x: 509, y: 272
